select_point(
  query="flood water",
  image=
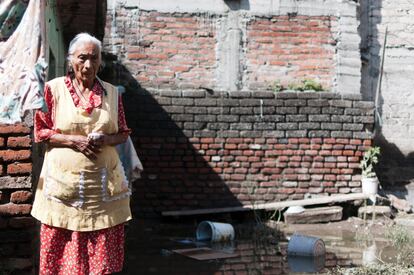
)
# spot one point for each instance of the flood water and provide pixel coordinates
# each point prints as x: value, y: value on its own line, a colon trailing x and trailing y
x: 256, y: 250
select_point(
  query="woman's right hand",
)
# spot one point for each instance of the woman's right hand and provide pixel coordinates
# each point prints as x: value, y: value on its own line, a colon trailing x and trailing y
x: 76, y: 142
x: 85, y: 146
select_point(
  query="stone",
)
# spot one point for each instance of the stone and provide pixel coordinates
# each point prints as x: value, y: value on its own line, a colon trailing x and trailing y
x: 315, y: 215
x: 399, y: 204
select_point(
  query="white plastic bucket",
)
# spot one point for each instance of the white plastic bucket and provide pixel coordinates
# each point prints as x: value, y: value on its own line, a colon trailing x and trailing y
x: 214, y: 231
x: 302, y: 245
x: 369, y: 186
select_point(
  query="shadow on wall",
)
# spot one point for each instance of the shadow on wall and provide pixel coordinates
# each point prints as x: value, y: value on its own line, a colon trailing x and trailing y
x: 395, y: 169
x: 238, y: 4
x: 369, y: 47
x: 176, y: 175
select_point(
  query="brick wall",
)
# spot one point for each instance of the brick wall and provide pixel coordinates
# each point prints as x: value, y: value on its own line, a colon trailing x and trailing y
x: 194, y: 51
x: 288, y: 49
x: 218, y: 149
x: 165, y: 50
x: 16, y: 225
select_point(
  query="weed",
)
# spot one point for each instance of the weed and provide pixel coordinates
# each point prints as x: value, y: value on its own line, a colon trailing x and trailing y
x: 277, y: 86
x: 375, y: 269
x: 364, y: 235
x: 304, y: 85
x: 399, y: 236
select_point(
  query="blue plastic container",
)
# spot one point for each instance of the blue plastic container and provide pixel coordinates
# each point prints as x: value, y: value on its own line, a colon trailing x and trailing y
x: 302, y: 245
x: 214, y: 232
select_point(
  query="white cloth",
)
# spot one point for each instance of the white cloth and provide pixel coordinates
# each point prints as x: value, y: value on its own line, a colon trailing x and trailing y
x: 130, y: 161
x: 19, y: 76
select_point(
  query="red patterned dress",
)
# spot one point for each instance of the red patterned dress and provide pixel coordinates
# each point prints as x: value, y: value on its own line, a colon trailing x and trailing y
x: 69, y: 252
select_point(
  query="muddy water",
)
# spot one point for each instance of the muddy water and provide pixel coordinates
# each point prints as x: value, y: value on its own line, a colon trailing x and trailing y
x: 150, y: 243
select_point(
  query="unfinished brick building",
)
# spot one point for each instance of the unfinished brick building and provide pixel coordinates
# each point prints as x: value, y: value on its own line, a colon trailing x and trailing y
x: 206, y: 98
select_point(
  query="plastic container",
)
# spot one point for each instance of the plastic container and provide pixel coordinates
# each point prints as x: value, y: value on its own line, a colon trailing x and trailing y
x: 302, y: 245
x: 369, y: 185
x: 214, y: 231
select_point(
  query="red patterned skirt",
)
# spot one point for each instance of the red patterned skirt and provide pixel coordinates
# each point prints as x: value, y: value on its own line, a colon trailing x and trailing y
x: 66, y: 252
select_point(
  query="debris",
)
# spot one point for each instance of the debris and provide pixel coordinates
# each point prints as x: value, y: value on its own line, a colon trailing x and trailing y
x: 399, y: 204
x: 314, y: 215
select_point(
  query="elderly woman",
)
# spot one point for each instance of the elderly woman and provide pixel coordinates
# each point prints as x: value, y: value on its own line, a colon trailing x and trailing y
x: 82, y: 198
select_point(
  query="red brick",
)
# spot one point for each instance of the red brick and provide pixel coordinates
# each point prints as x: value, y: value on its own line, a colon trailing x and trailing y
x: 331, y: 190
x: 293, y: 164
x: 280, y: 146
x: 304, y: 177
x: 11, y: 209
x: 304, y: 146
x: 319, y: 170
x: 329, y: 177
x: 304, y: 140
x: 311, y: 152
x: 325, y: 153
x: 335, y: 171
x: 336, y: 153
x: 327, y: 146
x: 329, y: 165
x: 367, y: 142
x: 355, y: 142
x: 207, y: 140
x: 19, y: 168
x: 19, y: 141
x: 329, y: 140
x: 14, y: 129
x: 13, y: 155
x: 338, y: 147
x: 21, y: 197
x: 315, y: 147
x: 237, y: 177
x: 342, y: 140
x: 2, y: 142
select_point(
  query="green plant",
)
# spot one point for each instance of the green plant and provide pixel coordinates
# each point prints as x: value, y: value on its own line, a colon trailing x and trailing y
x: 370, y: 158
x: 306, y: 85
x: 277, y: 86
x: 309, y: 84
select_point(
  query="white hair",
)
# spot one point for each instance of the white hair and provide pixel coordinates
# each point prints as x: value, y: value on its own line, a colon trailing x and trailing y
x: 81, y: 39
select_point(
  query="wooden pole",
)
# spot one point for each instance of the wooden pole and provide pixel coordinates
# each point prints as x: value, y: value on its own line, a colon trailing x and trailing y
x: 269, y: 206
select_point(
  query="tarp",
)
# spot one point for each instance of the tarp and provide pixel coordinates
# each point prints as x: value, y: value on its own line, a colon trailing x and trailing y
x: 22, y: 63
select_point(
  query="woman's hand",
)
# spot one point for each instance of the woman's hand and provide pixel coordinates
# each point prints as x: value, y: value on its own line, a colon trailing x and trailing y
x: 86, y: 146
x: 77, y: 142
x: 111, y: 140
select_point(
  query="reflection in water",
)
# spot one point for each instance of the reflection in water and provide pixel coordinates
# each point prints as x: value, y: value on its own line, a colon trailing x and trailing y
x: 149, y: 251
x: 369, y: 255
x: 306, y: 264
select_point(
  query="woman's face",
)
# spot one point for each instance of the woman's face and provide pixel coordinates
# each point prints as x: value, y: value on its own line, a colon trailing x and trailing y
x: 86, y: 61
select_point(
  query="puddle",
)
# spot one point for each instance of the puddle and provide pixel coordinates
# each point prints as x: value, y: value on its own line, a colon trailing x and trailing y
x: 149, y: 250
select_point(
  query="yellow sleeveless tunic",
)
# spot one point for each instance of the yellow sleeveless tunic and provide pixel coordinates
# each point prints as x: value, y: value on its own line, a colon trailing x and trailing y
x: 74, y: 192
